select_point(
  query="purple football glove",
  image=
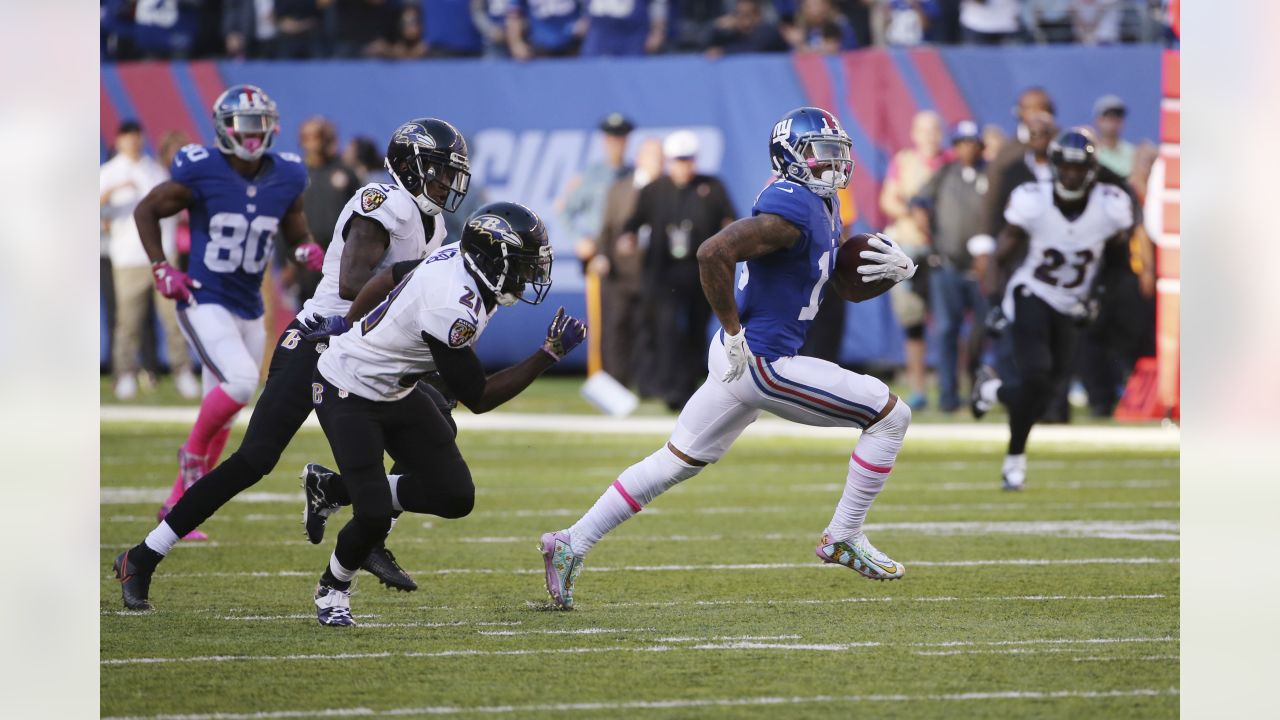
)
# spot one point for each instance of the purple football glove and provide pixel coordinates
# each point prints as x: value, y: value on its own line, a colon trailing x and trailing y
x: 310, y: 255
x: 322, y: 328
x: 565, y: 333
x: 172, y: 282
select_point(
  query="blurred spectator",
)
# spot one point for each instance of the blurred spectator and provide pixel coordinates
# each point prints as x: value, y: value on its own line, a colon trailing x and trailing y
x: 993, y: 138
x: 166, y: 29
x: 1097, y: 22
x: 948, y: 209
x: 448, y: 30
x: 1114, y: 152
x: 490, y: 19
x: 1049, y: 21
x: 298, y: 28
x: 744, y: 30
x: 544, y: 28
x: 1030, y: 101
x: 905, y: 22
x: 691, y: 22
x: 330, y: 184
x: 627, y: 348
x: 909, y: 170
x: 369, y: 28
x: 819, y: 28
x: 624, y: 27
x: 989, y: 22
x: 122, y: 182
x: 583, y: 203
x: 406, y: 42
x: 674, y: 215
x: 365, y: 159
x: 248, y: 28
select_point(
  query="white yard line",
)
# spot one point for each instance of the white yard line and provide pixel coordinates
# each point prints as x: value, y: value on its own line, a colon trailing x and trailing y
x: 1117, y: 436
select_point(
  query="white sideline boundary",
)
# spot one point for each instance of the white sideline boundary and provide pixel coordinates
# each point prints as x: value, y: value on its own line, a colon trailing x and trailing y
x: 993, y: 432
x: 519, y: 710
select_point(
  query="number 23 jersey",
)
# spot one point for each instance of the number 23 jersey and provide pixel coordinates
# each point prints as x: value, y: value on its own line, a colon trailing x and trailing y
x: 382, y: 357
x: 234, y: 222
x: 1063, y: 255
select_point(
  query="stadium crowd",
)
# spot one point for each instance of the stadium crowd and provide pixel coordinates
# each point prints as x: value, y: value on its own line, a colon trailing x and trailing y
x: 526, y: 29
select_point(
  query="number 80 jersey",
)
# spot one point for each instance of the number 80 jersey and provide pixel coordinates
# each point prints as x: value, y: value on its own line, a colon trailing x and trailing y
x: 1063, y: 255
x: 234, y: 221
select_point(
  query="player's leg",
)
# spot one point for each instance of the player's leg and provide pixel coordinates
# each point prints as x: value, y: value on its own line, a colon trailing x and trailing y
x: 815, y: 392
x: 283, y: 407
x: 946, y: 297
x: 707, y: 426
x: 353, y: 428
x: 1026, y: 399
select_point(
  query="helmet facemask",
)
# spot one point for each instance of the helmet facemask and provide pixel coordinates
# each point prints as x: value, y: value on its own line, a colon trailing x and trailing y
x: 426, y: 176
x: 825, y: 163
x: 247, y: 129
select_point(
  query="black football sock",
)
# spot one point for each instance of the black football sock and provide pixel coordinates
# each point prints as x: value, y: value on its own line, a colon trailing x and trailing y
x: 327, y: 578
x: 144, y: 558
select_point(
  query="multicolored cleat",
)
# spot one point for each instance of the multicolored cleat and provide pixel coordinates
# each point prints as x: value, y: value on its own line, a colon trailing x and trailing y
x: 860, y: 556
x: 562, y: 567
x: 317, y: 508
x: 333, y: 606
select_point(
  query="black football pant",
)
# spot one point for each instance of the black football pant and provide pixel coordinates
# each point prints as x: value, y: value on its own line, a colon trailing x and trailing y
x: 283, y: 406
x: 1044, y: 342
x: 434, y: 478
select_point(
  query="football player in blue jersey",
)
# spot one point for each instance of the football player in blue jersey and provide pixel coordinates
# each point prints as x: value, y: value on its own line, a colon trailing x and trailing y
x: 789, y: 248
x: 239, y: 196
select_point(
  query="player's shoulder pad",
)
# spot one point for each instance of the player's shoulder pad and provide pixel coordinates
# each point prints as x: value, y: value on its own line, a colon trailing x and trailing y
x: 1029, y: 200
x: 1116, y: 202
x: 384, y: 202
x: 193, y: 162
x: 291, y: 165
x: 451, y: 299
x: 785, y: 199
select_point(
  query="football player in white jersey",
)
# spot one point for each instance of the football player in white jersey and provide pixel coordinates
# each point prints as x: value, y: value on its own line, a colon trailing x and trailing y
x: 382, y: 224
x: 789, y: 248
x: 364, y: 385
x: 1065, y: 225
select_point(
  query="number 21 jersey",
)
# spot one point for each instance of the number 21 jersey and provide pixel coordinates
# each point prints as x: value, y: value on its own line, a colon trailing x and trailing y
x: 234, y: 222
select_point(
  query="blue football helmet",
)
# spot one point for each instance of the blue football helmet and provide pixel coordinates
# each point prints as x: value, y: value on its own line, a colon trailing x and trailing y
x: 245, y: 122
x: 809, y: 147
x: 1075, y: 147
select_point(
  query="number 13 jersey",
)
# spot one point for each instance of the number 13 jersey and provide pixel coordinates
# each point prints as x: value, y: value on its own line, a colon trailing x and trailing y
x: 1063, y: 255
x: 234, y: 222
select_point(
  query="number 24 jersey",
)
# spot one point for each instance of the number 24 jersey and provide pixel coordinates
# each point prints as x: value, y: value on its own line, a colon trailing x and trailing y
x: 234, y: 222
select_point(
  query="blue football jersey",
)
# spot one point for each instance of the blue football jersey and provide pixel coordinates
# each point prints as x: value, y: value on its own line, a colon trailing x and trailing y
x: 779, y: 293
x: 234, y: 222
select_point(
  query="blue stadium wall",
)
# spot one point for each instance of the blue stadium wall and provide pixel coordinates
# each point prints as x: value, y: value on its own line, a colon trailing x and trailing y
x: 532, y: 125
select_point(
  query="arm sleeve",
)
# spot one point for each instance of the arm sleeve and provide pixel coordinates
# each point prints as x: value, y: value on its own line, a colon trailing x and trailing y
x: 460, y: 368
x: 402, y: 268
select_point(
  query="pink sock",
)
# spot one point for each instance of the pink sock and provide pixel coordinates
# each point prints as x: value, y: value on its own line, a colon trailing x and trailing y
x: 216, y: 446
x: 216, y: 411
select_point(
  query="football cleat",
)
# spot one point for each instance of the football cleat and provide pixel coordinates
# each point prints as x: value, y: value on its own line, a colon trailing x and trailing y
x: 333, y: 606
x: 562, y: 567
x: 316, y: 508
x: 1013, y: 476
x: 977, y: 404
x: 382, y: 564
x: 134, y: 583
x: 859, y: 555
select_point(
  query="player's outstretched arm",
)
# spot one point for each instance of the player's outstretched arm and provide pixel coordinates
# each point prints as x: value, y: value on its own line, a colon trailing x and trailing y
x: 741, y: 240
x: 165, y: 200
x: 366, y: 242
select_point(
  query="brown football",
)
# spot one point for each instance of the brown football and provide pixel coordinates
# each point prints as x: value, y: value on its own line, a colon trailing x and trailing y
x: 847, y: 261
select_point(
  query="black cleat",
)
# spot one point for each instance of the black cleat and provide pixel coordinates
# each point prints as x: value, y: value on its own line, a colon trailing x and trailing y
x: 383, y: 565
x: 134, y: 583
x: 977, y: 405
x: 317, y: 508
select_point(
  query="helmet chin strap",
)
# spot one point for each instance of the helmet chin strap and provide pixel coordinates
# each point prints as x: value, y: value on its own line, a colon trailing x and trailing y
x: 504, y: 299
x: 424, y: 203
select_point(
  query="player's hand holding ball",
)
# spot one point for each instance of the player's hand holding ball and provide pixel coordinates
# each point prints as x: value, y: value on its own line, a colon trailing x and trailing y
x: 868, y: 265
x: 739, y: 354
x: 322, y: 328
x: 172, y: 282
x: 565, y: 333
x: 888, y: 262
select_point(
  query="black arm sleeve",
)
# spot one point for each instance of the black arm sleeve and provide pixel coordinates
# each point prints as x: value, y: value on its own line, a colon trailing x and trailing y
x: 460, y: 369
x: 400, y: 269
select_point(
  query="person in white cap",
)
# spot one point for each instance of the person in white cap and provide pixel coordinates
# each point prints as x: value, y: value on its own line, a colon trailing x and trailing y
x: 674, y: 215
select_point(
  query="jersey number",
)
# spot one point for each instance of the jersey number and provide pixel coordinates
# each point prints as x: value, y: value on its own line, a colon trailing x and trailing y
x: 370, y: 321
x: 235, y: 243
x: 1054, y: 260
x: 810, y: 311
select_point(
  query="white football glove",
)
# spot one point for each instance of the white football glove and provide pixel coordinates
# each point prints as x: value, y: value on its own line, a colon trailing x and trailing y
x: 890, y: 262
x: 735, y: 348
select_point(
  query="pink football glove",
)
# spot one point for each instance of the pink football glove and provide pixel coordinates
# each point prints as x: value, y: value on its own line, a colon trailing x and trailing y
x: 311, y: 255
x: 172, y: 282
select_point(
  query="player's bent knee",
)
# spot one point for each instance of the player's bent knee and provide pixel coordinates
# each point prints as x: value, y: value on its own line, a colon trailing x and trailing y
x: 894, y: 424
x: 240, y: 389
x: 458, y: 504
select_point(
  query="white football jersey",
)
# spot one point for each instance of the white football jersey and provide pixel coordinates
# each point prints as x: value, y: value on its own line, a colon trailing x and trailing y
x: 384, y: 354
x: 1063, y: 255
x: 390, y: 207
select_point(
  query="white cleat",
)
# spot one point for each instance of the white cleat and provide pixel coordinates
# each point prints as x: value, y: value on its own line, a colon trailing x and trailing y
x: 860, y: 556
x: 1014, y: 474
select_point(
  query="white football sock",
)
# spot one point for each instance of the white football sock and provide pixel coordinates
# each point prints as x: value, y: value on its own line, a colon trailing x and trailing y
x: 1015, y: 463
x: 987, y: 391
x: 395, y: 501
x: 162, y: 539
x: 869, y: 466
x: 636, y: 487
x: 336, y: 569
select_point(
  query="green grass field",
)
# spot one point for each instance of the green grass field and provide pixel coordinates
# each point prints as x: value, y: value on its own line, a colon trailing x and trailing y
x: 1061, y: 601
